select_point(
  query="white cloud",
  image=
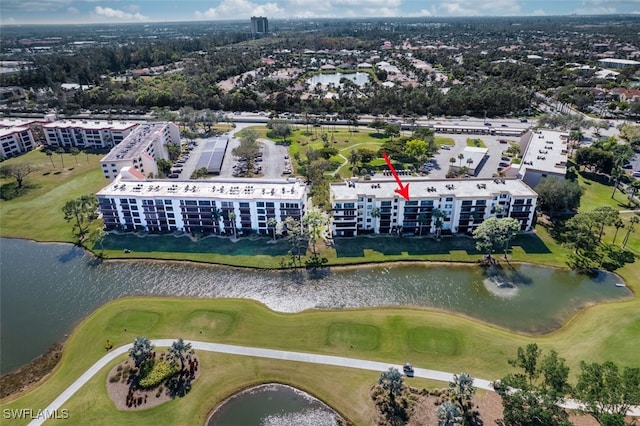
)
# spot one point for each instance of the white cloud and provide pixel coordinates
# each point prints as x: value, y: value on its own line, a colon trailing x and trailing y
x: 233, y: 9
x: 475, y: 8
x: 72, y: 10
x: 539, y: 12
x: 107, y: 12
x: 33, y: 5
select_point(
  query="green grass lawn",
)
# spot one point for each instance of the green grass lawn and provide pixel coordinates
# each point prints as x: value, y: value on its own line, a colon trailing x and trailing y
x: 429, y: 339
x: 476, y: 142
x: 38, y: 214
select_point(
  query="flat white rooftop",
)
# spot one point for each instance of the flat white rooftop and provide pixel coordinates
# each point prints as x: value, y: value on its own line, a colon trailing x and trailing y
x: 12, y: 121
x: 226, y: 189
x: 546, y: 152
x: 12, y: 130
x: 135, y: 143
x: 420, y: 188
x: 91, y: 124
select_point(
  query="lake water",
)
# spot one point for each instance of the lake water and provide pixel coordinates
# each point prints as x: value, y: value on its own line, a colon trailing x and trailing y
x: 359, y: 78
x: 47, y: 289
x: 273, y: 405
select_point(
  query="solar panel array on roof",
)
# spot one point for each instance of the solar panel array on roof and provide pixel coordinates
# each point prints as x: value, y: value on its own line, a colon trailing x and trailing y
x: 212, y: 154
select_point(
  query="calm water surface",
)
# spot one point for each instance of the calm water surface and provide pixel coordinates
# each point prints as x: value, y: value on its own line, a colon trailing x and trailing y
x: 273, y: 405
x: 359, y: 78
x: 46, y: 289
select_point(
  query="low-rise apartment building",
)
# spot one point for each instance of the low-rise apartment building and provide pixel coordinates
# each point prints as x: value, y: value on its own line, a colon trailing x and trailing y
x: 220, y: 206
x: 15, y: 141
x: 140, y: 149
x: 89, y: 134
x: 447, y: 206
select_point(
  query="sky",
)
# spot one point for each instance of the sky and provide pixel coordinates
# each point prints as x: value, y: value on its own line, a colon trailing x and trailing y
x: 119, y: 11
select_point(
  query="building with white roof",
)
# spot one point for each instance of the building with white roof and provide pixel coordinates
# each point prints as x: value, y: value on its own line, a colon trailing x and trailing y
x: 544, y: 155
x: 90, y: 134
x: 15, y: 141
x: 618, y: 63
x: 373, y: 206
x: 141, y: 149
x: 132, y: 202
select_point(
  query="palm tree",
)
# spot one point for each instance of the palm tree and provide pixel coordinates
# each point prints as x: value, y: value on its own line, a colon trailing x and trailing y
x: 60, y: 151
x: 49, y: 154
x: 422, y: 220
x: 180, y: 350
x: 452, y: 161
x: 392, y: 381
x: 375, y: 214
x: 438, y: 215
x: 271, y: 223
x: 460, y: 157
x: 618, y: 224
x: 141, y: 350
x: 634, y: 220
x: 462, y: 390
x: 75, y: 151
x: 616, y: 174
x: 232, y: 219
x: 635, y: 188
x: 469, y: 162
x: 448, y: 414
x: 216, y: 215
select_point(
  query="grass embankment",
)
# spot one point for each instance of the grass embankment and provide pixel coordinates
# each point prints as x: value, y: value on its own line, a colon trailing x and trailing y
x: 434, y: 340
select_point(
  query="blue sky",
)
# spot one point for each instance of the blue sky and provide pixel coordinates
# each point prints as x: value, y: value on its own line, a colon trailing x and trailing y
x: 117, y: 11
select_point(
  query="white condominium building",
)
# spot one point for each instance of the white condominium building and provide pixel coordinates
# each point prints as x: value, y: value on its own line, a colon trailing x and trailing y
x: 132, y: 202
x: 15, y: 141
x: 544, y: 154
x: 372, y: 206
x: 90, y: 134
x: 140, y: 149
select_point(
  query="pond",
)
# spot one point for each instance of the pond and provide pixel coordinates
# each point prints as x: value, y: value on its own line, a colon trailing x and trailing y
x: 273, y: 405
x: 47, y: 289
x: 359, y: 78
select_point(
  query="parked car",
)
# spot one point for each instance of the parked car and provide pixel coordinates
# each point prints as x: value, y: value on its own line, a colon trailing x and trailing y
x: 504, y: 164
x: 174, y: 176
x: 445, y: 147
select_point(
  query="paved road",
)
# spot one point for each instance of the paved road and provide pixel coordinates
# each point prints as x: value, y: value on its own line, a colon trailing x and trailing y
x: 362, y: 364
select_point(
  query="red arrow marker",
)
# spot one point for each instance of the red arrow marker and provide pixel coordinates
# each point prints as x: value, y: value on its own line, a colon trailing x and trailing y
x: 404, y: 189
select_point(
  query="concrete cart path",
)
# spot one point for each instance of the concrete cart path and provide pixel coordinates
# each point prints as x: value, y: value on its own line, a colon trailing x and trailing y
x: 265, y: 353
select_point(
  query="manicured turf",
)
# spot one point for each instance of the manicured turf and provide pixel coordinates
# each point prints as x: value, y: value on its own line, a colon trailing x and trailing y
x: 429, y: 339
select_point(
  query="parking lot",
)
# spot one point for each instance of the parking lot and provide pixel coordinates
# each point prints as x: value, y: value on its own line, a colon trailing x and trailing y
x: 487, y: 169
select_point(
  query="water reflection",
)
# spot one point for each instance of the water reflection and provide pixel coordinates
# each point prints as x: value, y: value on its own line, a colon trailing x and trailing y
x: 273, y: 405
x: 48, y: 288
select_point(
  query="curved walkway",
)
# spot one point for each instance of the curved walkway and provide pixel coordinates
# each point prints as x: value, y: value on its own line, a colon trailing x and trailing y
x: 266, y: 353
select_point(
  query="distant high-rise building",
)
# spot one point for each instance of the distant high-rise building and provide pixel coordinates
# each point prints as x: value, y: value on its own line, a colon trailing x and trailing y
x: 259, y: 25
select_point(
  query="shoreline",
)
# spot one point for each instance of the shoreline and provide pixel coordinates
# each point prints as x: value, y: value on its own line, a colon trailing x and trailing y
x: 40, y: 363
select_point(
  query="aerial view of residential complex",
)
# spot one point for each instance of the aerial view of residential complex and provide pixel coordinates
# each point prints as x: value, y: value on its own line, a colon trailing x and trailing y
x: 340, y: 213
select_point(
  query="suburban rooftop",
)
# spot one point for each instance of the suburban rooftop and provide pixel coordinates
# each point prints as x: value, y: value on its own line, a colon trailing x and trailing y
x: 429, y: 188
x: 244, y: 189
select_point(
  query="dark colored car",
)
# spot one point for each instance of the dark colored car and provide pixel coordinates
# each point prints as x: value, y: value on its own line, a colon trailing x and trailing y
x: 408, y: 369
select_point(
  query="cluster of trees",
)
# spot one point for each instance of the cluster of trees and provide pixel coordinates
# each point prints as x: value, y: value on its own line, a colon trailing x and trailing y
x: 558, y: 195
x: 494, y: 233
x: 151, y: 371
x: 534, y: 394
x: 583, y: 233
x: 81, y: 213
